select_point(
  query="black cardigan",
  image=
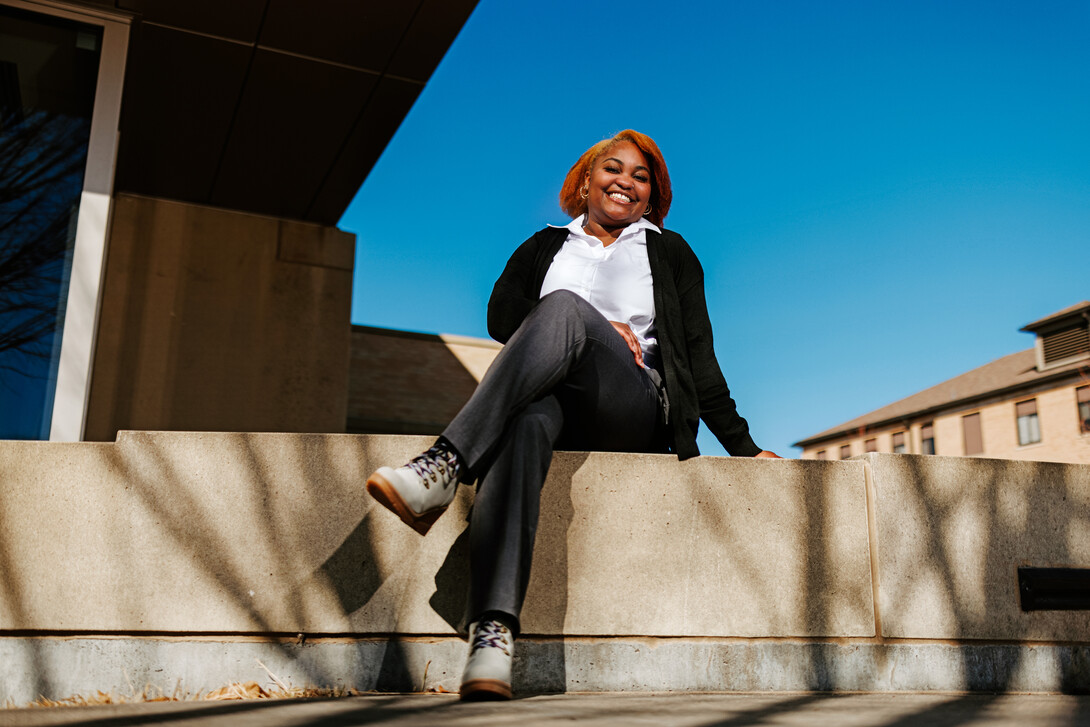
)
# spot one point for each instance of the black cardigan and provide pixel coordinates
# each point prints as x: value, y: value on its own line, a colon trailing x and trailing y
x: 694, y: 381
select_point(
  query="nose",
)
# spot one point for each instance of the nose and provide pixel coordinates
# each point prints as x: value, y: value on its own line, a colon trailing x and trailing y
x: 626, y: 182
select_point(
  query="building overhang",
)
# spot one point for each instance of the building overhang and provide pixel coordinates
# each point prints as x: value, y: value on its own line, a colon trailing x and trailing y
x: 275, y: 107
x: 1076, y: 313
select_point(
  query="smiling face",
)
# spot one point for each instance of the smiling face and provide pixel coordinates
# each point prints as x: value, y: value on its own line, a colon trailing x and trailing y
x: 619, y: 187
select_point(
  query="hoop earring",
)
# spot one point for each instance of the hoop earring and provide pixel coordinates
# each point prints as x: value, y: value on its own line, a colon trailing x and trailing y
x: 648, y: 210
x: 584, y: 192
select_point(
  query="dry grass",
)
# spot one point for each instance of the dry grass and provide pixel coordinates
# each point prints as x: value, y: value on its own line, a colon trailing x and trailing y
x: 233, y: 691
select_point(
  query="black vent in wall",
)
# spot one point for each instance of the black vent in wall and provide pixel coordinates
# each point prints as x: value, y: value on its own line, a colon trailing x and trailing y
x: 1066, y: 342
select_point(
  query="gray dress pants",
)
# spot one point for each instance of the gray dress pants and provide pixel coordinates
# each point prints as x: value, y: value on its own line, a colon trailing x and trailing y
x: 566, y: 379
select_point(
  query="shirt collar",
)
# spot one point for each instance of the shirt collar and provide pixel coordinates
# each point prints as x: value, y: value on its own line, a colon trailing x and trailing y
x: 576, y: 227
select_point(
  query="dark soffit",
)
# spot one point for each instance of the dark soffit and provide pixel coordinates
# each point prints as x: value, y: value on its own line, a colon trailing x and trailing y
x: 276, y: 107
x: 428, y: 37
x: 389, y: 104
x: 235, y: 19
x: 358, y: 34
x: 291, y: 122
x: 183, y: 87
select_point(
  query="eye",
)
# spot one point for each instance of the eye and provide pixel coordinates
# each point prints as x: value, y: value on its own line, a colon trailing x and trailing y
x: 612, y: 169
x: 641, y: 178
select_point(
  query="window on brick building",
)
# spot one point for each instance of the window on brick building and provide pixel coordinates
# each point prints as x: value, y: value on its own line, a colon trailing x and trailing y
x: 899, y: 443
x: 845, y: 451
x: 871, y: 445
x: 820, y: 454
x: 1082, y: 395
x: 927, y: 438
x: 1029, y: 427
x: 971, y: 434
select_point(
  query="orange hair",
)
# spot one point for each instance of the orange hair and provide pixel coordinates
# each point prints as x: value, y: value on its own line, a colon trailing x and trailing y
x: 573, y: 203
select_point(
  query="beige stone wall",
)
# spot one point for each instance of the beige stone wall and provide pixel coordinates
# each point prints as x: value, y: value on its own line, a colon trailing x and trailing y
x: 182, y: 532
x: 218, y: 320
x: 266, y: 534
x: 1057, y: 413
x: 180, y: 558
x: 412, y: 383
x: 951, y: 533
x: 475, y: 354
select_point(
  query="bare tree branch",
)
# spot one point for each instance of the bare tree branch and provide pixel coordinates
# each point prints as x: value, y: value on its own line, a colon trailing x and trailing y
x: 42, y: 158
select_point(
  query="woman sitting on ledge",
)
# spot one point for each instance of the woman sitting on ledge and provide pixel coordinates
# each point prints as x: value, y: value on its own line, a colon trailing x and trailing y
x: 608, y: 347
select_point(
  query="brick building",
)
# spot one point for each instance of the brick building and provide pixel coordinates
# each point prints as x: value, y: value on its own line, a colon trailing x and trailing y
x: 1033, y: 404
x: 401, y: 382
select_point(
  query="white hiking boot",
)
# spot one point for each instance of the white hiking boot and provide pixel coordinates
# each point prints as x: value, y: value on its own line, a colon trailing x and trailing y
x: 419, y: 492
x: 488, y: 671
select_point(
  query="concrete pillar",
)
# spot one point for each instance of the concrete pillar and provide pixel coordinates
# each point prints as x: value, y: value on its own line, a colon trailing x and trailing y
x: 222, y: 321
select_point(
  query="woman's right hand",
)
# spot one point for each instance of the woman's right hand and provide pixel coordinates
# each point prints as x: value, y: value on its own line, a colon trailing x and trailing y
x: 629, y: 338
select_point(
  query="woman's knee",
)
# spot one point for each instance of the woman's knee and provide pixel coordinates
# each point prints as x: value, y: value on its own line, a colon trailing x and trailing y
x: 562, y: 298
x: 563, y: 303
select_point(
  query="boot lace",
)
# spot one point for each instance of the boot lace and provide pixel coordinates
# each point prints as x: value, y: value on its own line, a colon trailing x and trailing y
x: 492, y: 634
x: 438, y: 465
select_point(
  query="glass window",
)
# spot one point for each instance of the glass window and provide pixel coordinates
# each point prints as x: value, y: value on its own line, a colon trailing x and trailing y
x: 971, y: 434
x: 845, y: 451
x: 1082, y: 395
x: 48, y: 73
x: 871, y: 445
x: 820, y: 454
x: 899, y: 443
x: 1029, y: 428
x: 927, y: 439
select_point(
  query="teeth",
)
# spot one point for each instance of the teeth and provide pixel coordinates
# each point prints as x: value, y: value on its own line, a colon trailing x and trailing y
x: 618, y: 197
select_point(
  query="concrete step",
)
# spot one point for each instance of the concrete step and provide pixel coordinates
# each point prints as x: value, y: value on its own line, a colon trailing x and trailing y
x: 172, y: 555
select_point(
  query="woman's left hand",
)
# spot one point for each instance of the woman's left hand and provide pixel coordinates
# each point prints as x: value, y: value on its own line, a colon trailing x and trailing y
x: 765, y: 454
x: 629, y: 338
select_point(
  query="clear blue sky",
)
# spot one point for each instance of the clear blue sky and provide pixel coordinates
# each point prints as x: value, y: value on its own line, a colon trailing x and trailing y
x: 881, y: 193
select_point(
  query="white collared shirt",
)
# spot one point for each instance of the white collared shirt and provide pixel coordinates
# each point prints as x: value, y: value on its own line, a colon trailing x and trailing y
x: 615, y: 278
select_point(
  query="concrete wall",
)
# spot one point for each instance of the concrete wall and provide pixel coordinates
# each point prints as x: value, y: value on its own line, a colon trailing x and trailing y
x: 245, y: 533
x: 218, y: 320
x: 1062, y: 439
x: 951, y: 533
x: 412, y: 383
x: 190, y: 555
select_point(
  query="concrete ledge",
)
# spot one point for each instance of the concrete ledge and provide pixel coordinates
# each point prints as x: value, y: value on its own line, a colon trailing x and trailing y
x: 188, y: 556
x: 951, y: 533
x: 273, y: 533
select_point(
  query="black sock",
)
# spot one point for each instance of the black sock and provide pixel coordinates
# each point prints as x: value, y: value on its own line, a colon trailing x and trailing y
x: 511, y: 622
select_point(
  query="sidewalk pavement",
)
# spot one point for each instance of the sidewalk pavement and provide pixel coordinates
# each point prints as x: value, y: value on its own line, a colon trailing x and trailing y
x: 629, y: 709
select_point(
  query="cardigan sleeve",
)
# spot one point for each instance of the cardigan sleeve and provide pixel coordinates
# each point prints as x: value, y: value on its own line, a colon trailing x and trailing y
x: 512, y: 297
x: 717, y: 407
